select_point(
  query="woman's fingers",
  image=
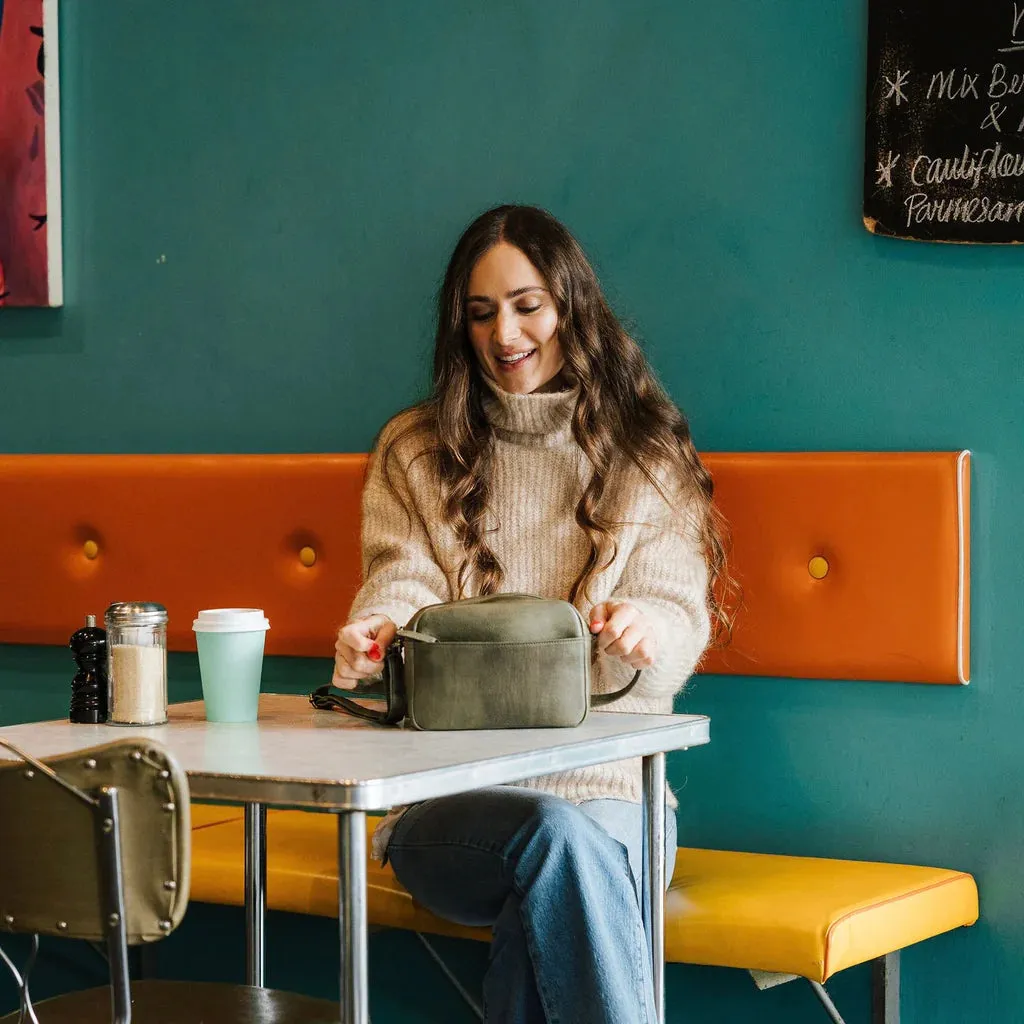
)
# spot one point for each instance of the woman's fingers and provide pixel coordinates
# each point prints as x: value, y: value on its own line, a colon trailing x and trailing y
x: 624, y: 633
x: 618, y: 617
x: 360, y: 649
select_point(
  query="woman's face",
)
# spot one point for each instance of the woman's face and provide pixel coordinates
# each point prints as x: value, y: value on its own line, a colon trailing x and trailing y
x: 513, y: 323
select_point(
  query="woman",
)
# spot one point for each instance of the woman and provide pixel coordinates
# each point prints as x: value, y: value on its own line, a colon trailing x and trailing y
x: 547, y: 461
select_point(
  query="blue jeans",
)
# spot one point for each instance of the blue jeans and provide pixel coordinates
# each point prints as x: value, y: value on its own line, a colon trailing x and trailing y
x: 555, y: 883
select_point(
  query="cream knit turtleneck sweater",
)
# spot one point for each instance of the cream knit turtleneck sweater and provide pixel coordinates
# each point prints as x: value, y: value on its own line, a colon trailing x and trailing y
x: 411, y: 559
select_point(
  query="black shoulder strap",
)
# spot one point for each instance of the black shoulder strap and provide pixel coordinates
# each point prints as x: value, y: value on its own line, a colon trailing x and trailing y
x: 598, y: 700
x: 387, y: 687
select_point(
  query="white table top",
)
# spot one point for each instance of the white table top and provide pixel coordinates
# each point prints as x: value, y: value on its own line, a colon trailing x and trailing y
x: 297, y: 756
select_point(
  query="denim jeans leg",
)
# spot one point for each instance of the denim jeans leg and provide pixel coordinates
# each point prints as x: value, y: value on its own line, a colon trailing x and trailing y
x: 624, y: 820
x: 510, y: 988
x: 557, y: 890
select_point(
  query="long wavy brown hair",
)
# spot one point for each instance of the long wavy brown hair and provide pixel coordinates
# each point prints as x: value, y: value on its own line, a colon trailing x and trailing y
x: 623, y: 416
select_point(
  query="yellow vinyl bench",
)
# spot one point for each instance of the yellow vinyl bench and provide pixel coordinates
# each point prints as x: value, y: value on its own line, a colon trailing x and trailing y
x: 778, y: 917
x: 816, y: 537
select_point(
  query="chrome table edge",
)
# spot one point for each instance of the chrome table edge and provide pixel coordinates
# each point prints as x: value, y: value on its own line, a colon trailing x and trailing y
x: 377, y: 794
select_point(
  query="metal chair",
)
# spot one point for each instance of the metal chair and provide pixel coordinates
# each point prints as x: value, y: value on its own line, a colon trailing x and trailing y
x: 96, y: 845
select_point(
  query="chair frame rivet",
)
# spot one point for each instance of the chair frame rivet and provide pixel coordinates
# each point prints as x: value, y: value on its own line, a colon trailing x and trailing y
x: 136, y: 755
x: 170, y: 885
x: 62, y: 926
x: 114, y: 920
x: 8, y: 919
x: 165, y: 926
x: 91, y: 763
x: 108, y: 825
x: 165, y: 774
x: 29, y: 774
x: 169, y: 808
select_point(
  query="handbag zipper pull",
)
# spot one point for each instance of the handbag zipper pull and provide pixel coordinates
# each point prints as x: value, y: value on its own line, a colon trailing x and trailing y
x: 411, y: 634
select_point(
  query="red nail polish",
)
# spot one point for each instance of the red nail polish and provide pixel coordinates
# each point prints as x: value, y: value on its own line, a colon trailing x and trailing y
x: 375, y: 654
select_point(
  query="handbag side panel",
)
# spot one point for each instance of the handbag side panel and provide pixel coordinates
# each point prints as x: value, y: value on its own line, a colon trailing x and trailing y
x: 468, y: 685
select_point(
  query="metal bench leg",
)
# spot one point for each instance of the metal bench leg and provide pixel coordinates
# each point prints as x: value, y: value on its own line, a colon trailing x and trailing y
x: 448, y: 973
x: 885, y: 989
x: 826, y: 1001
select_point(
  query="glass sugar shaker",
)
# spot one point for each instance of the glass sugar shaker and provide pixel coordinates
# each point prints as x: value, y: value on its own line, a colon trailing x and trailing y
x: 137, y: 663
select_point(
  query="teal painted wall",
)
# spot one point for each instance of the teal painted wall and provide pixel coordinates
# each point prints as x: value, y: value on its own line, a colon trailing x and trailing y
x: 258, y: 205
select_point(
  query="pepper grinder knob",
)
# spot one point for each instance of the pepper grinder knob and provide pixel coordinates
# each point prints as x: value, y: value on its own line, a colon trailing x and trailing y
x: 89, y: 688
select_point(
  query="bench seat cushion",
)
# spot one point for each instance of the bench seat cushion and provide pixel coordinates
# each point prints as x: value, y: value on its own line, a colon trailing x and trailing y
x: 803, y: 915
x: 302, y: 872
x: 205, y: 815
x: 792, y: 915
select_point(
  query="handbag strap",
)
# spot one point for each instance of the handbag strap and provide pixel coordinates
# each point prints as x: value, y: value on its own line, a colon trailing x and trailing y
x: 390, y: 680
x: 598, y: 700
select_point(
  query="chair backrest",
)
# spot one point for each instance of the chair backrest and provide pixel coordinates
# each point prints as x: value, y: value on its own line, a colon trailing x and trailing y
x: 54, y: 879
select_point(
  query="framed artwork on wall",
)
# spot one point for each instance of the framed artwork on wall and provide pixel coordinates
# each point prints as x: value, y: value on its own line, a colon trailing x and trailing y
x: 30, y: 220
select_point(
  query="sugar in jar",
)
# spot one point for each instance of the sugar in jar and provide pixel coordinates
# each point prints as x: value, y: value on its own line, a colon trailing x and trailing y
x: 137, y: 663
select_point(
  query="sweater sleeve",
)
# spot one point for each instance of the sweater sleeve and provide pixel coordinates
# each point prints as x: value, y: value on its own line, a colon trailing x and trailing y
x: 665, y: 578
x: 401, y: 573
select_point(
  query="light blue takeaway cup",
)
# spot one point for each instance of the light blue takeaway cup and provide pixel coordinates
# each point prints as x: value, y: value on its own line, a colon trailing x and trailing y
x: 230, y: 642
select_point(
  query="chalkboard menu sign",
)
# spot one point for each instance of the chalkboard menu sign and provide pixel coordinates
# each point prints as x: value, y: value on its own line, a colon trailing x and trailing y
x: 944, y: 148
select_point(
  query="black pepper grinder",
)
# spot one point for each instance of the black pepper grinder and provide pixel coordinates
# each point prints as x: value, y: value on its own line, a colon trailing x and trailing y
x: 89, y: 687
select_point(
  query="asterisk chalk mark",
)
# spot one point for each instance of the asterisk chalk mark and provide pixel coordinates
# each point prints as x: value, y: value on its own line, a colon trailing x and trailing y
x: 896, y: 86
x: 885, y: 169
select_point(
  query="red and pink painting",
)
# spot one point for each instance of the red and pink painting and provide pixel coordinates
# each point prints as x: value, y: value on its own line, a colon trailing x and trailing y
x: 30, y: 239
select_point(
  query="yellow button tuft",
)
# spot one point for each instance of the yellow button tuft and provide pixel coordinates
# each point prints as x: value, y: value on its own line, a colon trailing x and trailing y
x: 90, y: 549
x: 818, y: 567
x: 307, y: 556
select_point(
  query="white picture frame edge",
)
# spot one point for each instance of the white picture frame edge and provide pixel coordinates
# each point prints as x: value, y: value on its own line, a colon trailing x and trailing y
x: 51, y: 105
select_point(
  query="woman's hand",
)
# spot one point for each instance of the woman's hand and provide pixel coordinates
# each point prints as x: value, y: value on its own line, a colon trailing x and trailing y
x: 624, y: 632
x: 360, y: 649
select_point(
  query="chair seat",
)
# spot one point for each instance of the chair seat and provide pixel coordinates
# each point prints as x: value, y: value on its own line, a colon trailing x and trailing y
x: 792, y: 915
x: 180, y: 1002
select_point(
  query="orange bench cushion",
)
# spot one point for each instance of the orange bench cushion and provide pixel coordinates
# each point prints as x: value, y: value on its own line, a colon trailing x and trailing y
x: 280, y: 532
x: 792, y: 915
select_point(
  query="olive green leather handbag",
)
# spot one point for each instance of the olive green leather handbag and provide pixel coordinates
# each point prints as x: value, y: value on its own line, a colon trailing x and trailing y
x: 508, y: 661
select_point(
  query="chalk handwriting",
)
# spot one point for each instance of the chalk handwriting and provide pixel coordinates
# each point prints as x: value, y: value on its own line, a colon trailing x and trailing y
x: 922, y: 209
x: 950, y: 89
x: 885, y: 169
x: 995, y: 111
x: 1015, y: 42
x: 896, y: 86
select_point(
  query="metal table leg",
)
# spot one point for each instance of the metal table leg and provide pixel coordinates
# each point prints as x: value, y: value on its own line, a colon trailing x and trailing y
x: 354, y: 984
x: 255, y: 891
x: 654, y: 872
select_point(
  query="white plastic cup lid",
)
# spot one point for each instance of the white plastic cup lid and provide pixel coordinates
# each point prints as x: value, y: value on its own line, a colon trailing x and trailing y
x: 230, y: 620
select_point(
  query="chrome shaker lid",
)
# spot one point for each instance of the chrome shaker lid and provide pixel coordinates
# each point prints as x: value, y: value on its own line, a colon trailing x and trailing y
x: 135, y: 613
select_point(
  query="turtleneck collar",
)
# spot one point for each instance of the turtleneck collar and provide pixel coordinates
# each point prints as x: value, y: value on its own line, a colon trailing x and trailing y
x: 540, y: 419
